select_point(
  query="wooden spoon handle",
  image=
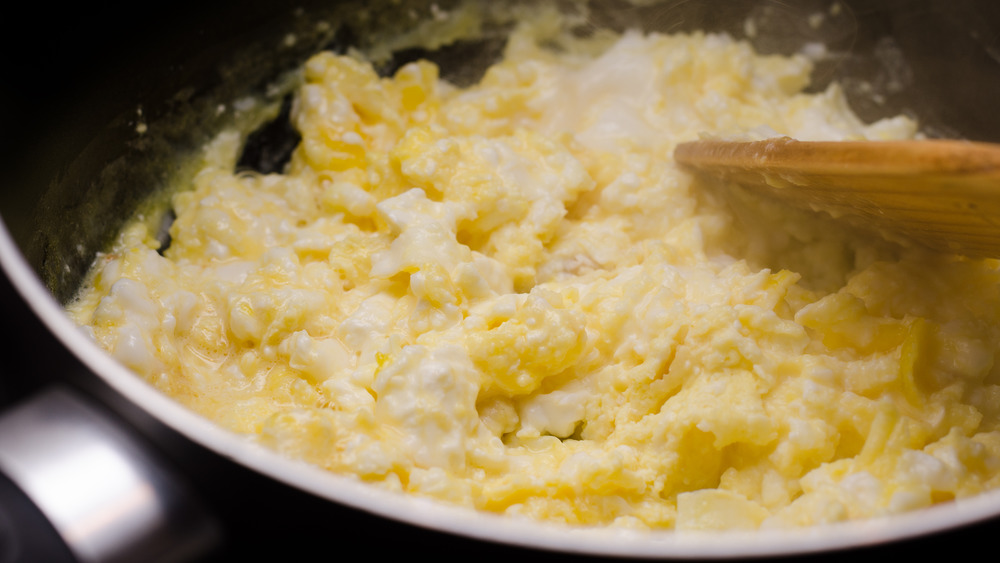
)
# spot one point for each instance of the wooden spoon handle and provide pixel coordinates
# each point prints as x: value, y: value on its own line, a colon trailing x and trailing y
x: 943, y: 194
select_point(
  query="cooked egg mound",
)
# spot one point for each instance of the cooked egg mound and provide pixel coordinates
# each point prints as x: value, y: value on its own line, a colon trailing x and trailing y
x: 509, y: 297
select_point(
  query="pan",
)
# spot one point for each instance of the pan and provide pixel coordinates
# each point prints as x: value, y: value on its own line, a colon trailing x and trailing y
x: 102, y: 105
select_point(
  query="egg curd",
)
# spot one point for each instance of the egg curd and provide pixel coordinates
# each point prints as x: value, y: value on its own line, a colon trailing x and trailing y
x: 510, y: 298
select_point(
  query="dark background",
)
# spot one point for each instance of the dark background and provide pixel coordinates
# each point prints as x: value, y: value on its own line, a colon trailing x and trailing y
x: 54, y: 62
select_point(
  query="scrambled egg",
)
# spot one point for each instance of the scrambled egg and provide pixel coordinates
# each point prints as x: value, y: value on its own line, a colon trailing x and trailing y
x: 510, y: 298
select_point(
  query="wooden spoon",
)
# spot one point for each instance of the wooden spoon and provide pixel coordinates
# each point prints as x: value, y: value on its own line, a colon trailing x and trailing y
x: 942, y: 194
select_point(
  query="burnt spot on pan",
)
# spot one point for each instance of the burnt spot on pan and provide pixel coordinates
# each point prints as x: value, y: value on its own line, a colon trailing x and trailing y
x: 343, y: 39
x: 462, y: 63
x: 268, y: 149
x: 163, y: 231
